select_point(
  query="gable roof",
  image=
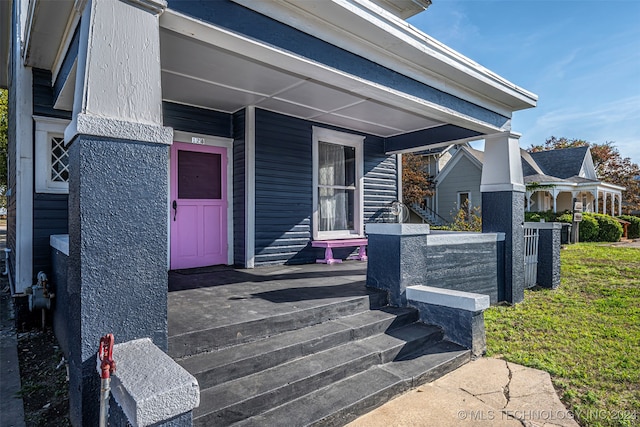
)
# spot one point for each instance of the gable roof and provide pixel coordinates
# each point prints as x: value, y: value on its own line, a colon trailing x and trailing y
x: 563, y: 163
x: 529, y: 166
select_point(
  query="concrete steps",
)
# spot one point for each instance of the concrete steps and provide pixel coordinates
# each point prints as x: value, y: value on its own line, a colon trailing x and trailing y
x: 322, y: 364
x: 208, y: 339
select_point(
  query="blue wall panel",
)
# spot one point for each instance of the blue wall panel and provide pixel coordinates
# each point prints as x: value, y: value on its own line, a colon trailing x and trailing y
x: 197, y: 120
x: 283, y: 189
x: 284, y: 193
x: 50, y: 216
x: 67, y: 63
x: 43, y: 96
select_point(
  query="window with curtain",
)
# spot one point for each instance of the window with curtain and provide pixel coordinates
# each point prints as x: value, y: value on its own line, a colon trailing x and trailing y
x: 338, y: 175
x: 336, y: 186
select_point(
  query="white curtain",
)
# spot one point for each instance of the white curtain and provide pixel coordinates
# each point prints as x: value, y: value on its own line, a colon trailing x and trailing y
x: 333, y: 202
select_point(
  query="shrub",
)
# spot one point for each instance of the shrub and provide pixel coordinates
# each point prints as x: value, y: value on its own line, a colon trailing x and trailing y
x: 532, y: 217
x: 610, y: 230
x: 588, y: 228
x: 466, y: 219
x: 633, y: 231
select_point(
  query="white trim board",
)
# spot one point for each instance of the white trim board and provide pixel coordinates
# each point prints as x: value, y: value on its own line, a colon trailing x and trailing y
x: 250, y: 186
x: 45, y: 128
x: 23, y: 87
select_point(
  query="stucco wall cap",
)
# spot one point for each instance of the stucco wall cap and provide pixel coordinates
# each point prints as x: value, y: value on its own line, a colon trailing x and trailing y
x: 397, y: 229
x: 448, y: 298
x: 462, y: 238
x: 149, y: 386
x: 60, y: 242
x: 544, y: 225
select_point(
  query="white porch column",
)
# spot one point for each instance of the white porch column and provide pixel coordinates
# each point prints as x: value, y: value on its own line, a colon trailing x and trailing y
x: 595, y: 201
x: 620, y: 204
x: 118, y: 158
x: 528, y: 196
x: 613, y: 204
x: 554, y: 194
x: 503, y: 191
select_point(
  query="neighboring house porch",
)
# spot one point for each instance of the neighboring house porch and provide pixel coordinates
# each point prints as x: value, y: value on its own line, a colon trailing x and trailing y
x: 553, y: 180
x: 558, y: 196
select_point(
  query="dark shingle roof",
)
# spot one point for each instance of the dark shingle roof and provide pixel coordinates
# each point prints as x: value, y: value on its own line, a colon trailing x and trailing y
x: 563, y: 163
x: 540, y: 178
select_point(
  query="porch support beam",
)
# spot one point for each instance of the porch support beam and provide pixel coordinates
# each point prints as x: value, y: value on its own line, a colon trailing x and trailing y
x: 503, y: 192
x: 118, y: 191
x: 434, y: 137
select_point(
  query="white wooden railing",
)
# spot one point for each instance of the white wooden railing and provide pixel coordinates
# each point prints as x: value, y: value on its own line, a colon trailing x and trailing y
x: 531, y: 236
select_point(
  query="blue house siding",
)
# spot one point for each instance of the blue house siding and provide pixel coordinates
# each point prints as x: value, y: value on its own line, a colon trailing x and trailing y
x: 67, y: 63
x: 197, y: 120
x: 380, y: 181
x: 43, y: 96
x: 239, y: 189
x: 50, y: 216
x: 50, y: 211
x: 284, y: 189
x: 283, y: 195
x: 229, y: 15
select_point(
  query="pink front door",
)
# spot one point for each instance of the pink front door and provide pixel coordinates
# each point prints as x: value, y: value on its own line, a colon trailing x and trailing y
x: 198, y: 205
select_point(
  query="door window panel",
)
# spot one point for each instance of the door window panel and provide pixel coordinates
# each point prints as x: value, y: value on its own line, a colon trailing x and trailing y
x: 199, y: 175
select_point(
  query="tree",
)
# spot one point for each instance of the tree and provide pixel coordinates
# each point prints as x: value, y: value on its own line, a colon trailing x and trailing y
x: 416, y: 184
x: 609, y: 165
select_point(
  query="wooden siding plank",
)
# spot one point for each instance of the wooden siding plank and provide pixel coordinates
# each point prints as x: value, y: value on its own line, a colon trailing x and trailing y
x: 284, y: 187
x: 197, y: 120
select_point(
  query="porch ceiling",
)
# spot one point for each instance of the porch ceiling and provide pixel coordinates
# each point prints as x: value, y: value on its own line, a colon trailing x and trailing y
x: 200, y: 74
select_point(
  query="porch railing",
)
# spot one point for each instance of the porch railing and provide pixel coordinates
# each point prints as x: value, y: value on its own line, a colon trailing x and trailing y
x: 531, y: 236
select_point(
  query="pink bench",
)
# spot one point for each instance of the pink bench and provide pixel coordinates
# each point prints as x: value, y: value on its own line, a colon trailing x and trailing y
x: 342, y: 243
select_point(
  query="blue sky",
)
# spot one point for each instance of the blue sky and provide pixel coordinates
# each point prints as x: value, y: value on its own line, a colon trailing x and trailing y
x: 581, y: 57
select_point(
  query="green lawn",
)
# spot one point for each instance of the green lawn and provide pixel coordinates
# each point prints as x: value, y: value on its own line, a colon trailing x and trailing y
x: 586, y: 333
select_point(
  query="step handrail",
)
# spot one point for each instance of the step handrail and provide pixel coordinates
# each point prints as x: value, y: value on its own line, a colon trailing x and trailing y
x: 417, y: 208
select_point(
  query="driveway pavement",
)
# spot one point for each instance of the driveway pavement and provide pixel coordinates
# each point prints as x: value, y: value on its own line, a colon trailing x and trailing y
x: 485, y: 392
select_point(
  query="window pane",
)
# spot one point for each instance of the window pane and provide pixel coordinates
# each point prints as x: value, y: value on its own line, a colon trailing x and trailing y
x: 336, y: 209
x: 336, y: 165
x: 199, y: 175
x: 59, y: 160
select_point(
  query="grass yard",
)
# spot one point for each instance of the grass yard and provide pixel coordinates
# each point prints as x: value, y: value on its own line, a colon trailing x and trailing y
x: 586, y: 333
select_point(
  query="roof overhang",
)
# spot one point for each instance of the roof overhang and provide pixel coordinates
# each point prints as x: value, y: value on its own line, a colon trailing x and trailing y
x: 403, y: 8
x: 5, y: 41
x: 207, y: 66
x: 362, y: 27
x: 49, y: 30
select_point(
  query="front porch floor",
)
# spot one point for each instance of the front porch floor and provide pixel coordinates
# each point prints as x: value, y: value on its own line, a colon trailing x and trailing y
x: 213, y: 297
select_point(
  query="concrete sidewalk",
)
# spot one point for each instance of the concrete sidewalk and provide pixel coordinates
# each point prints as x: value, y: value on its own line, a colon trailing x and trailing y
x: 485, y: 392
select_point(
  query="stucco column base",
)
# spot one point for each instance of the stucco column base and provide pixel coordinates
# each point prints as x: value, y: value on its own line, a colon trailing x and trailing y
x: 396, y: 258
x: 503, y: 211
x: 548, y: 254
x: 117, y: 266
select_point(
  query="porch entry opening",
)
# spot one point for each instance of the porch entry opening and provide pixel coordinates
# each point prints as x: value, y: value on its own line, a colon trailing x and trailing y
x: 198, y: 205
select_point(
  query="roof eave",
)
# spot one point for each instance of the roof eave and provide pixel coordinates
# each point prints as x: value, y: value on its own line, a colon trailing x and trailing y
x: 362, y: 27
